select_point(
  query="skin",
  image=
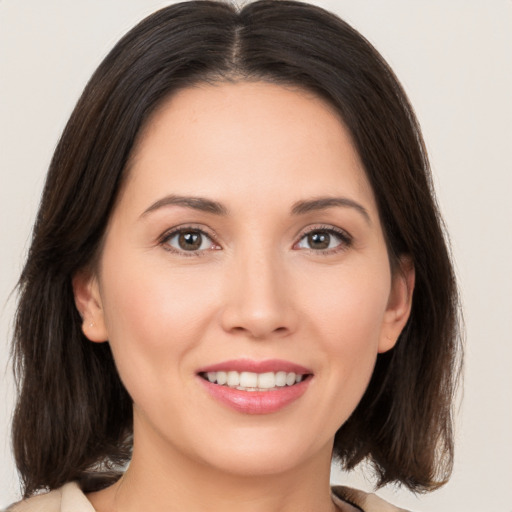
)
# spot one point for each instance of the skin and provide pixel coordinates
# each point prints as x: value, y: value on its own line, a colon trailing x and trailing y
x: 257, y: 288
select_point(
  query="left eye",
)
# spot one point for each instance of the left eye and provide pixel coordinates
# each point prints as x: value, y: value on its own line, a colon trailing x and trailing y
x: 321, y: 240
x: 190, y: 240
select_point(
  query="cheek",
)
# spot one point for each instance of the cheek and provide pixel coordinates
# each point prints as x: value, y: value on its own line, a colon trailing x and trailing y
x: 347, y: 314
x: 349, y: 305
x: 155, y: 306
x: 154, y: 319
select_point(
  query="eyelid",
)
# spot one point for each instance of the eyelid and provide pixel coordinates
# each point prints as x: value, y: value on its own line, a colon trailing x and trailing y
x: 171, y: 232
x: 345, y: 237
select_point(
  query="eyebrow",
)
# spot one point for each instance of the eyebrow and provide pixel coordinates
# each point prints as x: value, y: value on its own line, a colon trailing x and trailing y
x: 298, y: 208
x: 323, y: 203
x: 196, y: 203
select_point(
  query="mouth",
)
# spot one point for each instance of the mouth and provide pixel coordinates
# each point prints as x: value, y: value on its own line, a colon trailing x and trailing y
x: 252, y: 381
x: 255, y: 387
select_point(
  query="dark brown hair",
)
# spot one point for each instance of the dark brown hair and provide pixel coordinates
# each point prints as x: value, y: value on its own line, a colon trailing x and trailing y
x: 73, y: 416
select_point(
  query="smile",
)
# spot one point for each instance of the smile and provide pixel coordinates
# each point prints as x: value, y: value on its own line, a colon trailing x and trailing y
x: 255, y: 387
x: 251, y: 381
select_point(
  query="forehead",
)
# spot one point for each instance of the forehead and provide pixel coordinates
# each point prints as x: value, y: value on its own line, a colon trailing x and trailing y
x: 245, y: 136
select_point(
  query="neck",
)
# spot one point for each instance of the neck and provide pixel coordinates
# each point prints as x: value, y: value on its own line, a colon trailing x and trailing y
x: 162, y: 479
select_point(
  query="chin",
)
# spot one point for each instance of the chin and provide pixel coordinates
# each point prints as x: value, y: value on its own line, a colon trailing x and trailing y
x: 261, y: 454
x: 257, y: 464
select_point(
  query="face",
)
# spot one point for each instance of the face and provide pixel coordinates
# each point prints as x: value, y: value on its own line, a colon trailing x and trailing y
x: 245, y: 251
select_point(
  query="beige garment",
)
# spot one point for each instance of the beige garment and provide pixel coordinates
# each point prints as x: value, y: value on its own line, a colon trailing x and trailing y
x: 364, y: 501
x: 70, y: 498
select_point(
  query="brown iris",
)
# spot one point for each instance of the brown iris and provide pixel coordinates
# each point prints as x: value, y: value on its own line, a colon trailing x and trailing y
x: 190, y: 240
x: 319, y: 240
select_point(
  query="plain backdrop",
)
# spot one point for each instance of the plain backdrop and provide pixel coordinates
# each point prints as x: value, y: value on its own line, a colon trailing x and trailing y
x: 454, y: 58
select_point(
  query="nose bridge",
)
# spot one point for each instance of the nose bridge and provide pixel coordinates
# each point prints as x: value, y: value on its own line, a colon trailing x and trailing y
x: 257, y: 301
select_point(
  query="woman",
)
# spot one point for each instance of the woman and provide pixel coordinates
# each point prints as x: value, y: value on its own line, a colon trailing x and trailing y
x: 238, y: 272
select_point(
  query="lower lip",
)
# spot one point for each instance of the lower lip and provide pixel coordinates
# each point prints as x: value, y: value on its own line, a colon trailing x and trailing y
x: 256, y: 402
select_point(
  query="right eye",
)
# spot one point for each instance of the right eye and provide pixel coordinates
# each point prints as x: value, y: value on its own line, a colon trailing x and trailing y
x: 188, y: 240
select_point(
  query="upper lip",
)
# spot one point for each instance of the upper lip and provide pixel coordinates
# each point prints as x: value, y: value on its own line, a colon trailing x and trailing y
x: 250, y: 365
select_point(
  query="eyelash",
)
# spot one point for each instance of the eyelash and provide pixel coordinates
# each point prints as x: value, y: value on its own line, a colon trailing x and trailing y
x: 168, y: 235
x: 345, y: 238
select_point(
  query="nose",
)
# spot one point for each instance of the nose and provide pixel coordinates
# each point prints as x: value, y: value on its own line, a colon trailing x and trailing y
x: 258, y: 298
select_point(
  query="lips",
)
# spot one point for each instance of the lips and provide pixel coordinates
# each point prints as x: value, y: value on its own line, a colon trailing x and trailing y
x: 251, y: 381
x: 255, y: 387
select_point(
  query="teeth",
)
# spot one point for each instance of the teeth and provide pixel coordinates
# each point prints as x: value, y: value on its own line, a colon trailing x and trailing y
x: 249, y: 381
x: 281, y: 379
x: 233, y: 379
x: 267, y: 380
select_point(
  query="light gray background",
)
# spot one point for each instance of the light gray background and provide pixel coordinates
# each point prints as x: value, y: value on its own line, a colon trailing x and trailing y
x: 454, y: 59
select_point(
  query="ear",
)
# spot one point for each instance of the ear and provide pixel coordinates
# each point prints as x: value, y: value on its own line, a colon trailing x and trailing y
x: 399, y: 304
x: 88, y: 302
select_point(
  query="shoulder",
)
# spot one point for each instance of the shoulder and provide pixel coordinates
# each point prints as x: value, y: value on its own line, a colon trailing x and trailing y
x: 363, y: 501
x: 68, y: 498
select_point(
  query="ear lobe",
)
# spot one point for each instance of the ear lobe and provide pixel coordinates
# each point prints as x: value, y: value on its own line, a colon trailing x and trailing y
x: 399, y: 304
x: 88, y: 302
